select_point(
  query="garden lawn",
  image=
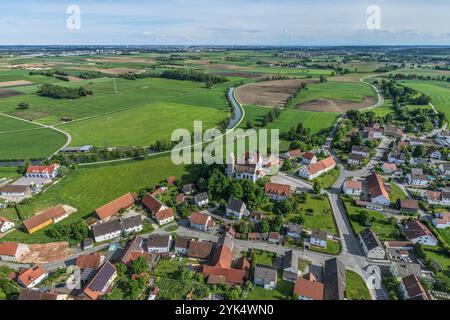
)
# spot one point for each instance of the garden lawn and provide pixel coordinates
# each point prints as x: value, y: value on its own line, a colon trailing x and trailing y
x: 265, y: 258
x: 436, y: 254
x: 91, y: 187
x: 396, y: 193
x: 380, y: 225
x: 328, y: 179
x: 322, y: 217
x: 333, y: 247
x: 283, y: 290
x: 356, y: 287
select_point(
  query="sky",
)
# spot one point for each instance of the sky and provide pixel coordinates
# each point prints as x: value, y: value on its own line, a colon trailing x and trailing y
x: 225, y: 22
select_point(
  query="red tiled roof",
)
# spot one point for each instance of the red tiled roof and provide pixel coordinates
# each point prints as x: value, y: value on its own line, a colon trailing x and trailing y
x: 234, y: 276
x: 42, y: 169
x: 44, y: 216
x: 433, y: 195
x: 171, y: 180
x: 276, y: 188
x: 415, y: 229
x: 112, y: 208
x: 376, y: 186
x: 164, y: 214
x: 90, y: 261
x: 8, y: 248
x: 295, y: 153
x: 351, y: 184
x: 414, y: 287
x: 390, y: 166
x: 153, y: 204
x: 180, y: 198
x: 199, y: 249
x: 309, y: 155
x: 321, y: 165
x: 310, y: 289
x: 222, y: 257
x: 409, y: 204
x: 31, y: 275
x: 199, y: 218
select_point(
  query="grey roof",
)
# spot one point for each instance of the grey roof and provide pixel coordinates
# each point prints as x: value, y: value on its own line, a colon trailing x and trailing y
x: 370, y: 239
x: 134, y: 245
x: 353, y: 156
x: 131, y: 222
x: 290, y: 260
x: 319, y: 234
x: 235, y: 205
x: 158, y: 241
x: 188, y: 188
x: 201, y: 196
x: 360, y: 149
x: 107, y: 227
x: 102, y: 277
x: 334, y: 280
x: 405, y: 269
x: 265, y: 273
x: 295, y: 228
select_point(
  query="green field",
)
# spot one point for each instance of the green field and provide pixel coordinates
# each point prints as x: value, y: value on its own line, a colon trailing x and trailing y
x: 396, y: 193
x: 333, y: 247
x: 9, y: 173
x: 328, y: 179
x: 382, y: 227
x: 356, y: 287
x: 438, y: 91
x: 33, y: 144
x: 89, y: 188
x: 321, y: 218
x: 437, y: 255
x: 334, y: 90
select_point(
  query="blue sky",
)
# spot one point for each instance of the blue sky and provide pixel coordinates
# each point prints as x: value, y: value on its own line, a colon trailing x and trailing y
x: 225, y: 22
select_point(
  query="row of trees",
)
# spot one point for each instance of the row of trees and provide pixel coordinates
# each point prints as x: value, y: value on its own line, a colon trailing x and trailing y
x: 177, y: 74
x: 58, y: 92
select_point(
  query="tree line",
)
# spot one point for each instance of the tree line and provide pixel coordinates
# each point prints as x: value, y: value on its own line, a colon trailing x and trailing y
x: 58, y: 92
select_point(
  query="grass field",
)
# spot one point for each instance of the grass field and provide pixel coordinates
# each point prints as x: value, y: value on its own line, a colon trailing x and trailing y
x: 396, y: 193
x: 33, y: 144
x: 356, y: 287
x: 89, y: 188
x: 438, y: 91
x: 333, y: 247
x: 321, y: 218
x: 265, y: 258
x: 442, y: 259
x: 328, y: 179
x: 382, y: 227
x: 283, y: 290
x: 340, y: 91
x: 9, y: 173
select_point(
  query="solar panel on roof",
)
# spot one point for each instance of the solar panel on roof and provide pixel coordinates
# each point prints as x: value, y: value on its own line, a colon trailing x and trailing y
x: 102, y: 277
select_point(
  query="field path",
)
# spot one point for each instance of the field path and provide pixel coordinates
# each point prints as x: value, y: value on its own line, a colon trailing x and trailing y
x: 68, y: 136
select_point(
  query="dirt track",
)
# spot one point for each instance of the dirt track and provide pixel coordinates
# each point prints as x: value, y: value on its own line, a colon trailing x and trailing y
x: 14, y: 83
x: 327, y: 105
x: 47, y: 253
x: 5, y: 93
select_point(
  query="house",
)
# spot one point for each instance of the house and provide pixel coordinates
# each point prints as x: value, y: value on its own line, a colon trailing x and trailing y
x: 90, y: 261
x: 135, y: 249
x: 32, y: 277
x: 408, y: 205
x: 352, y: 187
x: 293, y: 154
x: 12, y: 251
x: 318, y: 238
x: 411, y: 288
x: 377, y: 190
x: 417, y: 180
x: 111, y: 209
x: 201, y: 221
x: 46, y: 218
x: 442, y: 220
x: 290, y: 266
x: 389, y: 168
x: 265, y: 277
x: 10, y: 190
x: 437, y: 197
x: 88, y: 243
x: 201, y: 199
x: 294, y: 230
x: 45, y: 172
x: 164, y: 216
x: 274, y: 237
x: 371, y: 244
x: 396, y: 157
x: 309, y: 158
x: 400, y: 269
x: 362, y: 151
x: 307, y: 288
x: 153, y: 204
x: 220, y: 269
x: 372, y: 133
x: 171, y: 180
x: 200, y: 250
x: 38, y: 295
x: 392, y: 131
x: 445, y: 168
x: 180, y: 198
x: 417, y: 232
x: 182, y: 245
x: 315, y: 170
x: 276, y: 191
x: 188, y: 189
x: 249, y: 167
x: 434, y: 153
x: 114, y: 228
x: 102, y: 282
x: 334, y: 280
x: 355, y: 159
x: 256, y: 217
x: 236, y: 209
x: 159, y: 243
x: 6, y: 225
x: 153, y: 293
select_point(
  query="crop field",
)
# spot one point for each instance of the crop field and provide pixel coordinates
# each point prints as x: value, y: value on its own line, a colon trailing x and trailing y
x: 89, y: 188
x: 335, y: 96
